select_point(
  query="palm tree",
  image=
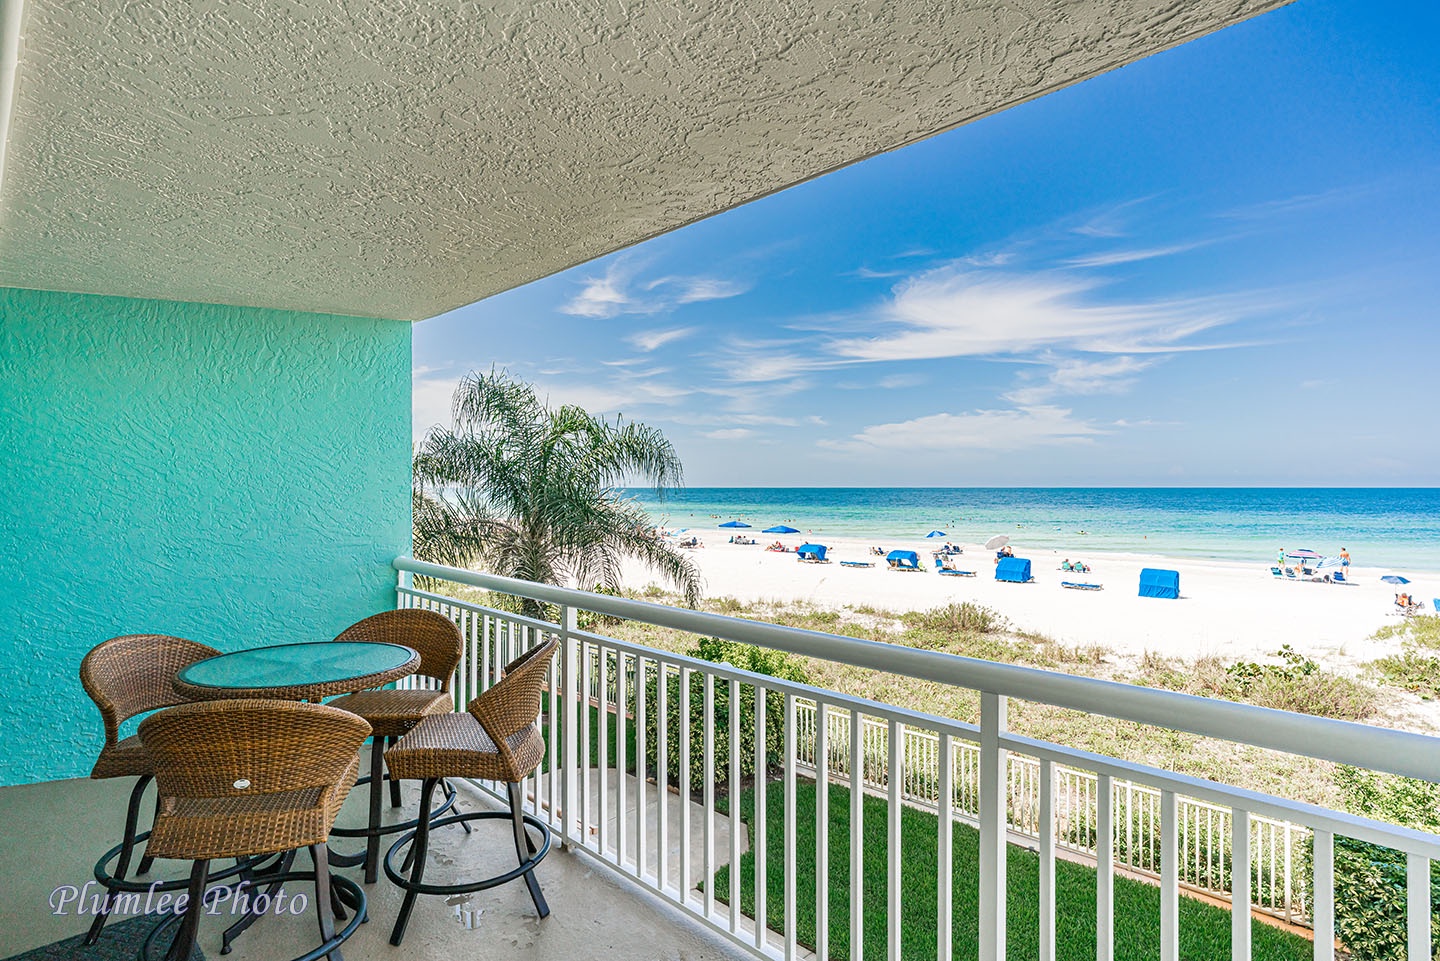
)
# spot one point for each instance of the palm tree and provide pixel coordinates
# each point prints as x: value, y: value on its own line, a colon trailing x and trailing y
x: 530, y: 491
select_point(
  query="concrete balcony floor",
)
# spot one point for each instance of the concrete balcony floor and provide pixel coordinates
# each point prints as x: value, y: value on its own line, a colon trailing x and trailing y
x: 54, y: 831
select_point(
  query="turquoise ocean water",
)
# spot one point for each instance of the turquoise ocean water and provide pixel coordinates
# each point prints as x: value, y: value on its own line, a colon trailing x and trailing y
x: 1383, y: 527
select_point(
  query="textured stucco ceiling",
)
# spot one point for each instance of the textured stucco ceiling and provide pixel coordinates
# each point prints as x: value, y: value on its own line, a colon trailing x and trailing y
x: 400, y: 159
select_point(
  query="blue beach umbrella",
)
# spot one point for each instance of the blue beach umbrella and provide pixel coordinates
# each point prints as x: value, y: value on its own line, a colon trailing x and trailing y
x: 780, y: 529
x: 1395, y: 579
x: 734, y: 524
x: 936, y: 534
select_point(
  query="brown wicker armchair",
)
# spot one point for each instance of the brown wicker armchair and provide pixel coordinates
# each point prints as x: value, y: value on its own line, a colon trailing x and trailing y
x: 497, y: 738
x: 391, y: 713
x: 125, y: 677
x: 238, y: 778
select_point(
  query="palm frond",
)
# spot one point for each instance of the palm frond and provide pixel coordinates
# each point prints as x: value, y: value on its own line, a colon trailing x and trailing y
x: 530, y: 490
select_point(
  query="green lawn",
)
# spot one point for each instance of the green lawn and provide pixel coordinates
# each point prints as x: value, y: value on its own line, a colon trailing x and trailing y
x: 1204, y: 929
x: 610, y: 725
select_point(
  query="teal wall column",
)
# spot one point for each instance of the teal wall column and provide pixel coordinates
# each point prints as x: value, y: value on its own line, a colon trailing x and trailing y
x: 235, y: 476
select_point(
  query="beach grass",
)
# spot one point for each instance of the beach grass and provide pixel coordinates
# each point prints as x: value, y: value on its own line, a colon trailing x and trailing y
x: 1417, y: 667
x: 974, y: 634
x: 1204, y: 928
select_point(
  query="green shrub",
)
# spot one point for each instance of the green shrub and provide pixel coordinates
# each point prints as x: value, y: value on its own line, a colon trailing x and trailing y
x: 725, y: 605
x: 1420, y: 631
x: 962, y: 618
x: 1370, y: 900
x: 1370, y: 880
x: 1416, y: 668
x: 1297, y: 684
x: 746, y: 657
x: 589, y: 620
x: 1413, y: 671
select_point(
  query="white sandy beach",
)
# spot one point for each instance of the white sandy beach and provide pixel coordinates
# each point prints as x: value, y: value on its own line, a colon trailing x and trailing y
x: 1229, y: 609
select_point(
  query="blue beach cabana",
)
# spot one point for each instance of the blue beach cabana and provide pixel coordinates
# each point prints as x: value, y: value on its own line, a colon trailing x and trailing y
x: 812, y: 554
x: 781, y: 529
x: 734, y: 524
x: 903, y: 560
x: 1155, y: 582
x: 1016, y: 570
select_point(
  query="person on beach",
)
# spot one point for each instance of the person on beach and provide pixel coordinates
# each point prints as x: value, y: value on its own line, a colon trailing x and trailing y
x: 1345, y: 560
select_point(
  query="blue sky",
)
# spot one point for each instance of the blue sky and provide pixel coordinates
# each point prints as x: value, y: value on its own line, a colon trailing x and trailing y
x: 1219, y: 265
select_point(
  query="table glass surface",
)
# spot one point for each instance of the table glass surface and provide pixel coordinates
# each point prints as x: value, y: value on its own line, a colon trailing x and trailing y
x: 293, y: 665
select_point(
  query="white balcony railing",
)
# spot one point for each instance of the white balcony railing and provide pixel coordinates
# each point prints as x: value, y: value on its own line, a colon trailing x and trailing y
x: 1178, y: 830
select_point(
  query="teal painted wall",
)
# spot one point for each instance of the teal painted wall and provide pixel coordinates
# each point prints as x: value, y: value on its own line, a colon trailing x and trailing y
x: 235, y: 476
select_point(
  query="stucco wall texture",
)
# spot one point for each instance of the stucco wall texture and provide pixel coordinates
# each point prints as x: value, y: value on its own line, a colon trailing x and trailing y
x: 232, y: 475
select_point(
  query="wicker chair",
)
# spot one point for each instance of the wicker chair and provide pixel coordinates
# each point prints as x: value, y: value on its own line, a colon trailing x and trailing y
x: 127, y: 676
x: 392, y: 713
x: 496, y: 738
x: 240, y: 778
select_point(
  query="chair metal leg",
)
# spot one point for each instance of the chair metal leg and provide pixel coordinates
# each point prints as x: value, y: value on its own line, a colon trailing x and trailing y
x: 281, y: 869
x: 394, y: 782
x: 377, y: 787
x: 417, y: 855
x: 455, y: 805
x: 324, y: 897
x: 147, y: 862
x: 184, y: 944
x: 524, y: 850
x: 127, y: 851
x: 337, y: 905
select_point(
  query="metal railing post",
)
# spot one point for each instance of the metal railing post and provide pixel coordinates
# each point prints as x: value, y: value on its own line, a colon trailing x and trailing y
x: 993, y: 825
x: 570, y: 695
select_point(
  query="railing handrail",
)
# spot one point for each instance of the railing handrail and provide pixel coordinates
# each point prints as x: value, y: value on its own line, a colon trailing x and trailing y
x: 725, y: 671
x: 1344, y: 742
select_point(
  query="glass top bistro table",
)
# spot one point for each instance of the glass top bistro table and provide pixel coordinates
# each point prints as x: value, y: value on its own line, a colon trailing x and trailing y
x: 297, y: 672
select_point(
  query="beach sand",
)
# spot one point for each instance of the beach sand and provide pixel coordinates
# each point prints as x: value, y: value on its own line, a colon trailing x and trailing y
x: 1228, y: 609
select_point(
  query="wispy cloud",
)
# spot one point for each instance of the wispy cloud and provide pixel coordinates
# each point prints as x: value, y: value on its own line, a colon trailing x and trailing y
x: 618, y: 291
x: 1113, y: 257
x: 900, y: 381
x: 748, y: 420
x: 955, y: 312
x: 1114, y: 221
x: 695, y: 289
x: 1282, y: 206
x: 1074, y: 375
x: 648, y: 340
x: 600, y: 297
x: 730, y: 433
x: 980, y: 430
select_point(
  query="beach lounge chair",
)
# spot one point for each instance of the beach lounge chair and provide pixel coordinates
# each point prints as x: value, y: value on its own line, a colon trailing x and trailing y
x: 811, y: 554
x: 1013, y: 570
x: 857, y: 563
x: 903, y: 561
x: 943, y: 565
x: 1075, y: 586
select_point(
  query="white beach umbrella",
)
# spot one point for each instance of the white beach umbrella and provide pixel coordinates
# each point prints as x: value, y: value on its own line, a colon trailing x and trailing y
x: 997, y: 542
